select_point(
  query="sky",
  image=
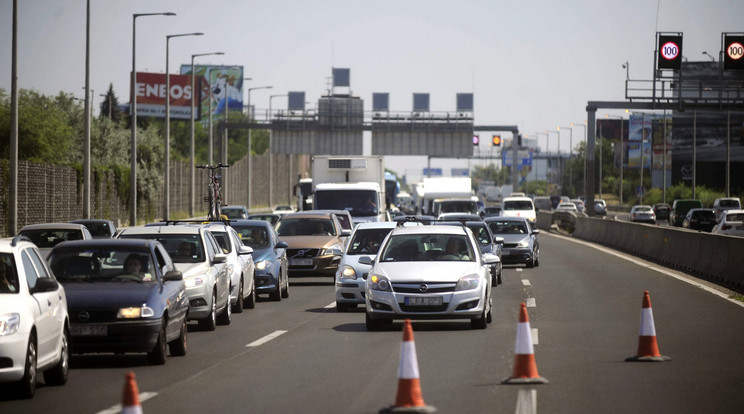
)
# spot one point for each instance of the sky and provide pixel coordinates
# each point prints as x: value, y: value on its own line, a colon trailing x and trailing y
x: 533, y: 64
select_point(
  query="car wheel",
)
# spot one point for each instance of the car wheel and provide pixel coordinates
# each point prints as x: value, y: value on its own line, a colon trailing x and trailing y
x: 285, y: 291
x: 58, y: 374
x: 238, y: 308
x: 276, y: 295
x: 179, y: 346
x: 27, y: 384
x: 158, y: 354
x: 537, y: 258
x: 489, y: 315
x: 372, y: 324
x: 226, y: 316
x: 531, y: 263
x: 210, y: 322
x: 480, y: 322
x: 250, y: 301
x: 500, y: 271
x: 342, y: 307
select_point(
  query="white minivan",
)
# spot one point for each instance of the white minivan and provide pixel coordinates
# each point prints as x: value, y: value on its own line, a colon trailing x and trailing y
x: 519, y: 207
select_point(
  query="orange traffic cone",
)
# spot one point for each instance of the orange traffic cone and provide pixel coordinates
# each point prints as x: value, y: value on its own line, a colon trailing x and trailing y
x: 648, y: 349
x: 408, y: 399
x: 525, y: 368
x: 131, y: 404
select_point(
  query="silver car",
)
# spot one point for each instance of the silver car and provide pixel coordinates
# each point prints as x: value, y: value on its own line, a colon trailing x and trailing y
x: 429, y: 272
x: 240, y: 266
x: 196, y: 254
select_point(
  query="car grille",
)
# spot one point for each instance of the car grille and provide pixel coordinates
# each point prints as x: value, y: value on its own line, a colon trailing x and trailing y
x: 510, y: 245
x: 440, y: 308
x: 93, y: 315
x: 302, y: 253
x: 431, y: 287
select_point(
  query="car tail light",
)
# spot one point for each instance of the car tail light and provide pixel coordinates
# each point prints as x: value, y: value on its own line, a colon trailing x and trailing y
x: 725, y: 227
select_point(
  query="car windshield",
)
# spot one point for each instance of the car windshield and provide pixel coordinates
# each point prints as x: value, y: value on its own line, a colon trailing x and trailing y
x: 517, y: 205
x: 254, y: 236
x: 46, y: 238
x: 704, y: 214
x: 729, y: 203
x: 643, y: 209
x: 360, y: 203
x: 508, y: 227
x: 102, y: 265
x: 182, y: 248
x: 306, y: 227
x: 458, y: 207
x: 233, y: 213
x: 427, y: 247
x: 8, y: 274
x: 367, y: 241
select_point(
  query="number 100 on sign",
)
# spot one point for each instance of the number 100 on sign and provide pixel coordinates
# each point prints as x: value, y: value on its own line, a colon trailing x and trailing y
x: 670, y: 52
x: 733, y: 54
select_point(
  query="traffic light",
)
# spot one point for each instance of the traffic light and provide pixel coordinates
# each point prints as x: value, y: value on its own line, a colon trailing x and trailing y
x: 476, y: 140
x: 496, y: 141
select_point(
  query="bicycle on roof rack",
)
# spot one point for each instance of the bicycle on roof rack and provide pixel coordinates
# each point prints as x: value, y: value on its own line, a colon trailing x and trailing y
x: 214, y: 195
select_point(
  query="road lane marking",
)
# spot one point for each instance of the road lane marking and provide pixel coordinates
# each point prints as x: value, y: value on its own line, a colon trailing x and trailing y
x: 530, y: 302
x: 526, y: 282
x: 650, y: 266
x: 116, y: 409
x: 535, y: 339
x: 519, y: 269
x: 526, y: 402
x: 330, y: 306
x: 265, y: 339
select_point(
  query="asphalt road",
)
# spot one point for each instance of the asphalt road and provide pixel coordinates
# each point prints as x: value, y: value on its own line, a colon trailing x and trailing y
x: 300, y: 355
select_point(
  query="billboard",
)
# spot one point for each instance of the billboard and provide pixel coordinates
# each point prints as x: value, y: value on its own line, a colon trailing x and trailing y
x: 221, y: 86
x: 150, y: 93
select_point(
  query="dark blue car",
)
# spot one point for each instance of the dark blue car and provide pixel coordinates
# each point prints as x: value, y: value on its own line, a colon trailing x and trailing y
x: 122, y: 296
x: 269, y: 256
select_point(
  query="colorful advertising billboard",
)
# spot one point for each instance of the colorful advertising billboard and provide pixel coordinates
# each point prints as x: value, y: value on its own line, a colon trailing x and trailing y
x: 221, y: 86
x: 150, y: 92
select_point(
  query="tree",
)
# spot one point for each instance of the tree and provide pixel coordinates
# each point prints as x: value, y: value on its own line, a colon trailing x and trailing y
x: 110, y: 105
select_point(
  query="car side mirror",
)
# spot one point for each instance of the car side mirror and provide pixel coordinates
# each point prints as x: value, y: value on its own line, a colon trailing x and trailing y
x: 498, y: 240
x: 536, y: 232
x: 220, y: 258
x: 45, y: 285
x: 490, y: 258
x: 345, y: 233
x: 245, y: 249
x: 172, y: 275
x: 365, y: 260
x: 282, y: 245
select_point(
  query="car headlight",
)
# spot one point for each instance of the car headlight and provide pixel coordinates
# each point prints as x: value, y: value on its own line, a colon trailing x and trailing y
x: 263, y: 264
x: 524, y: 243
x: 377, y: 282
x: 467, y: 283
x: 331, y: 251
x: 9, y: 323
x: 133, y: 313
x: 347, y: 272
x: 192, y: 281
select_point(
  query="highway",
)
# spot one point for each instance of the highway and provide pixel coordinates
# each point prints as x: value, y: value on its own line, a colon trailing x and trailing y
x: 300, y: 355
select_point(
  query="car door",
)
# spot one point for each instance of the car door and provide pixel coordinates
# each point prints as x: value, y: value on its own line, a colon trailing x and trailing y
x: 50, y: 305
x: 219, y: 270
x: 173, y: 292
x: 245, y: 260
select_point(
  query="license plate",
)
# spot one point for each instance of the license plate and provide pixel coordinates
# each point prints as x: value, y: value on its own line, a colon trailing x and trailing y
x: 423, y: 301
x: 88, y: 330
x: 301, y: 262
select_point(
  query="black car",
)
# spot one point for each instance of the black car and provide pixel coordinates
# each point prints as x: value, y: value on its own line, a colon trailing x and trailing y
x: 702, y: 219
x: 662, y: 211
x: 122, y: 296
x: 99, y: 228
x: 269, y: 256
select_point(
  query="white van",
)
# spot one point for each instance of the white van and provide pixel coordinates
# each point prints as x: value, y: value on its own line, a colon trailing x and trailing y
x: 519, y: 207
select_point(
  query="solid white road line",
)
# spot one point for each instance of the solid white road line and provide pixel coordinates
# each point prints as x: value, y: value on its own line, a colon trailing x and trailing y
x: 265, y: 339
x: 526, y: 402
x: 330, y: 306
x: 116, y: 409
x: 526, y: 282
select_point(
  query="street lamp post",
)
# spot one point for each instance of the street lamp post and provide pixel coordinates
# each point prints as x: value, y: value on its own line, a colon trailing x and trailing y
x: 271, y: 158
x: 622, y: 151
x: 250, y: 172
x: 560, y: 160
x: 133, y: 109
x: 537, y: 163
x: 712, y: 58
x: 166, y: 183
x: 583, y: 126
x: 548, y: 131
x: 570, y: 158
x: 192, y: 170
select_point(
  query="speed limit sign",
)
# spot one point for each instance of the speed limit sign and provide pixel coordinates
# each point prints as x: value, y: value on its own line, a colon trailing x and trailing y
x: 669, y: 52
x: 733, y: 54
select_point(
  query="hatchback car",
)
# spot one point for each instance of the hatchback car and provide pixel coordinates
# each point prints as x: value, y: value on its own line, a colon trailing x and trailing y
x: 701, y: 219
x: 662, y: 211
x: 270, y: 217
x: 315, y: 241
x: 269, y: 257
x: 642, y: 214
x: 34, y: 326
x: 429, y: 272
x: 99, y: 228
x: 520, y: 240
x: 123, y: 296
x: 240, y: 266
x: 579, y: 204
x: 600, y: 207
x: 47, y: 235
x: 235, y: 212
x: 196, y: 254
x: 731, y: 223
x: 728, y: 203
x: 351, y: 275
x: 680, y: 208
x: 567, y: 207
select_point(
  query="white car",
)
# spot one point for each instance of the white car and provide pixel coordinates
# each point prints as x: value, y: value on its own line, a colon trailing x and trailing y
x: 429, y: 272
x: 47, y: 235
x: 240, y: 266
x: 566, y: 206
x: 197, y: 255
x: 351, y: 275
x: 519, y: 207
x: 731, y: 223
x: 34, y: 326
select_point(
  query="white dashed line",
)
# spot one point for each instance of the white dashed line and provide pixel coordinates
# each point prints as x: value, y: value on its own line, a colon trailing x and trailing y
x: 535, y: 339
x: 530, y: 302
x: 526, y: 401
x: 265, y: 339
x: 116, y: 409
x: 526, y: 282
x: 519, y: 269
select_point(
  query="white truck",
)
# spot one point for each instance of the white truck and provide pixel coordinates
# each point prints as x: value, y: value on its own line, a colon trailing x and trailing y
x: 353, y: 183
x: 439, y: 188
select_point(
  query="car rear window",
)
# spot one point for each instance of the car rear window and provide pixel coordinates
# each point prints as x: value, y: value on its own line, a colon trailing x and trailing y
x: 735, y: 217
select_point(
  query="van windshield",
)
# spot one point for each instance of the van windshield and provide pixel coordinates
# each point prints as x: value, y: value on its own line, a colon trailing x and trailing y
x: 517, y: 205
